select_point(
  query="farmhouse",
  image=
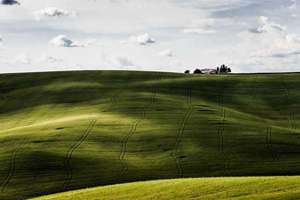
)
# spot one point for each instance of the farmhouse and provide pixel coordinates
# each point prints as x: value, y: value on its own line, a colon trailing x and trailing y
x: 209, y: 71
x: 219, y: 70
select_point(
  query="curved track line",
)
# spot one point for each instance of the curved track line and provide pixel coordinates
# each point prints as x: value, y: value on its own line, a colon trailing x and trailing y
x: 12, y: 168
x: 71, y: 151
x: 291, y: 118
x: 11, y: 171
x: 269, y: 144
x: 125, y: 140
x: 179, y: 137
x: 186, y: 117
x: 124, y: 147
x: 221, y: 126
x: 113, y: 101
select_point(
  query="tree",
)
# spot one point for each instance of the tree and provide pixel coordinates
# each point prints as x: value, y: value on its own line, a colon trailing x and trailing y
x: 224, y: 69
x: 187, y: 72
x: 197, y: 71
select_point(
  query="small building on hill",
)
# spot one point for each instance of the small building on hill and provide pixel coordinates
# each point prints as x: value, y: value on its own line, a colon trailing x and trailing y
x: 209, y: 71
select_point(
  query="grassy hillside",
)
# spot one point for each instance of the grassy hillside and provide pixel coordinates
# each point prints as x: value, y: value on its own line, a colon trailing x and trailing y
x: 254, y: 188
x: 70, y: 130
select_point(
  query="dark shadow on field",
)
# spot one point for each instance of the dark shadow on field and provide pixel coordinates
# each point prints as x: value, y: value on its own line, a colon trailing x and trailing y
x: 239, y: 149
x: 257, y: 94
x: 20, y: 91
x: 40, y: 173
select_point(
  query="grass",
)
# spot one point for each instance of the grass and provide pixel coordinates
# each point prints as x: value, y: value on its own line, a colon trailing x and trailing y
x: 63, y: 131
x: 246, y: 188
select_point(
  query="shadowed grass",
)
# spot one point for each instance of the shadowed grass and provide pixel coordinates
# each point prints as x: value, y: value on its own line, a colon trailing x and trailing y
x: 148, y: 126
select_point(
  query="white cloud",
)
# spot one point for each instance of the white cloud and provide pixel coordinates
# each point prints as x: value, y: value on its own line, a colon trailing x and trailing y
x: 217, y: 25
x: 275, y: 40
x: 293, y: 38
x: 293, y: 5
x: 265, y: 25
x: 64, y: 41
x: 49, y: 59
x: 215, y: 4
x: 123, y: 62
x: 202, y: 26
x: 167, y: 53
x: 52, y: 12
x: 294, y: 15
x: 22, y: 58
x: 198, y: 31
x: 293, y: 8
x: 143, y: 39
x: 272, y: 48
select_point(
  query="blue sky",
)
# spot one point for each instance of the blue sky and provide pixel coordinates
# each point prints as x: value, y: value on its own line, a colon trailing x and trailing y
x: 163, y: 35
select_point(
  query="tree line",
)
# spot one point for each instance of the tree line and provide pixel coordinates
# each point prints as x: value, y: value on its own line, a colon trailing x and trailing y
x: 219, y: 70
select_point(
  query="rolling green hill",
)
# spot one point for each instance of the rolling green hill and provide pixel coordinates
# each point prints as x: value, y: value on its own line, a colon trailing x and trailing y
x: 247, y: 188
x: 69, y: 130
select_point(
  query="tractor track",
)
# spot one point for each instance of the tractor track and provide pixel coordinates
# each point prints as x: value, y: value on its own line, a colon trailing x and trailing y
x: 291, y: 118
x: 113, y: 101
x: 69, y: 155
x: 11, y: 171
x: 67, y: 162
x: 269, y: 133
x: 12, y: 167
x: 186, y: 117
x: 221, y: 126
x: 269, y: 145
x: 125, y: 140
x: 124, y: 147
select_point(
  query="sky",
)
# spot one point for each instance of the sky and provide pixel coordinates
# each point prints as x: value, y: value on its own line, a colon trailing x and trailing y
x: 151, y: 35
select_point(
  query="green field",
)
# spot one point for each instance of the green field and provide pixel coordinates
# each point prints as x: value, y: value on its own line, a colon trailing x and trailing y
x: 249, y: 188
x: 63, y: 131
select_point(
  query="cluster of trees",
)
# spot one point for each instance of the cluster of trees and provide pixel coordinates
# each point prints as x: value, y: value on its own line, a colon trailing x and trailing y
x: 196, y: 71
x: 223, y: 69
x: 220, y: 70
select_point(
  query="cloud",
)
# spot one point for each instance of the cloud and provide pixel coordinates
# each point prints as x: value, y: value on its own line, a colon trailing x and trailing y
x: 1, y: 40
x: 167, y: 53
x: 273, y: 38
x: 292, y: 38
x: 64, y: 41
x: 49, y: 59
x: 123, y: 62
x: 198, y: 31
x: 216, y: 5
x: 293, y: 8
x: 193, y: 29
x: 269, y: 47
x: 143, y: 39
x: 9, y: 2
x: 52, y: 12
x: 286, y: 54
x: 22, y: 58
x: 265, y: 25
x: 204, y: 26
x: 293, y: 5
